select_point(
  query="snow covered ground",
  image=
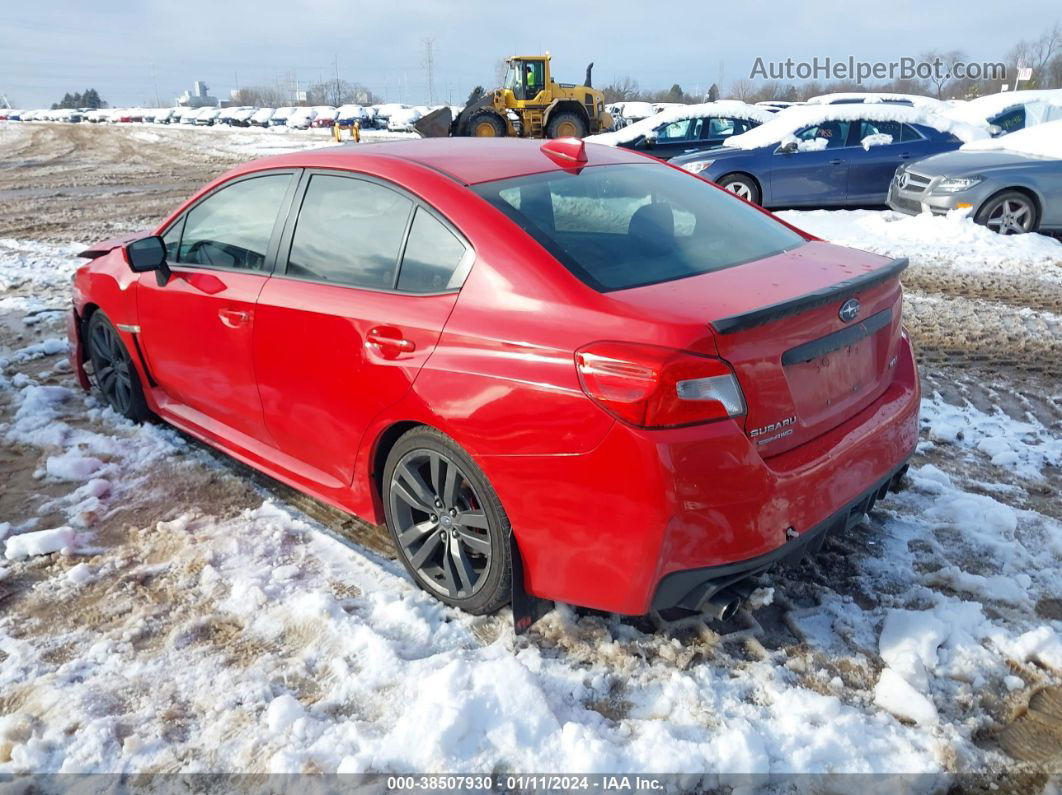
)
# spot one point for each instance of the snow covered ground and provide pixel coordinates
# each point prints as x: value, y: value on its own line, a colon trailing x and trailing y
x: 159, y: 610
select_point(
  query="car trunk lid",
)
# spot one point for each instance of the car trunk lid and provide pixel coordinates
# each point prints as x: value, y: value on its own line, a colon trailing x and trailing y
x: 804, y: 365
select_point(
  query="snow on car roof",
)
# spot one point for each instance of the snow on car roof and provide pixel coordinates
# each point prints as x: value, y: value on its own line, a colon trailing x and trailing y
x: 975, y: 111
x: 729, y: 108
x: 788, y: 121
x: 637, y: 110
x: 1041, y: 140
x: 871, y: 97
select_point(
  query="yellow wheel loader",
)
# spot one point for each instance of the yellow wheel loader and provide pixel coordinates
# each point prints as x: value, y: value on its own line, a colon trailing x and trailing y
x: 530, y: 104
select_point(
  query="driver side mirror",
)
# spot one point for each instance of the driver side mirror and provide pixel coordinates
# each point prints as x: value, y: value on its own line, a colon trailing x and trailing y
x: 789, y: 148
x: 995, y: 130
x: 650, y: 141
x: 149, y: 254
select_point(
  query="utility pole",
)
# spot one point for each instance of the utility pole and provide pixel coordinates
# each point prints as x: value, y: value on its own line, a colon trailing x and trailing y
x: 155, y: 79
x: 335, y: 63
x: 429, y: 68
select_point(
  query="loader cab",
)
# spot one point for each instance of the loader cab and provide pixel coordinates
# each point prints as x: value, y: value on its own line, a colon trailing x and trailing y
x: 527, y: 77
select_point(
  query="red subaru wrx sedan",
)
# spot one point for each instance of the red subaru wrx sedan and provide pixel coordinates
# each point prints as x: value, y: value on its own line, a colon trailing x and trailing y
x: 555, y: 370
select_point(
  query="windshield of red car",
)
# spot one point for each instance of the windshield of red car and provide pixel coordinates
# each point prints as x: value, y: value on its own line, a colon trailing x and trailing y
x: 630, y: 225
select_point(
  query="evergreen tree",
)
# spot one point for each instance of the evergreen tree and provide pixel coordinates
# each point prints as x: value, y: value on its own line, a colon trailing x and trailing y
x: 676, y: 94
x: 713, y: 93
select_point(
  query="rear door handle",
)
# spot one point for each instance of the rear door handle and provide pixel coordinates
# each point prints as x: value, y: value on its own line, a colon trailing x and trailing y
x: 905, y: 155
x: 234, y: 318
x: 836, y: 162
x: 390, y: 340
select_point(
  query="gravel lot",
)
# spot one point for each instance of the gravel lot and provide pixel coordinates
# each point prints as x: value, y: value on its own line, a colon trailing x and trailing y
x: 152, y: 645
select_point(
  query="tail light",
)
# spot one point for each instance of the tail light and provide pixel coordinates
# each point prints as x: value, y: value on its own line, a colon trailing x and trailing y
x: 654, y: 387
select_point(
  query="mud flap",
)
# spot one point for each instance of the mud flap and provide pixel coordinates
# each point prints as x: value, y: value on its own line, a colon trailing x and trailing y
x: 527, y: 609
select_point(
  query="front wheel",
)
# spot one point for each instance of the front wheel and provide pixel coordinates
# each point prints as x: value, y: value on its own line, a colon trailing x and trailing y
x: 1009, y: 213
x: 113, y: 369
x: 566, y: 125
x: 742, y: 185
x: 487, y: 124
x: 447, y: 522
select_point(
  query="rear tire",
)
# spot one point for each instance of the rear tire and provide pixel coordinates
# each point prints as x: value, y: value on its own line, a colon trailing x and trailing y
x: 447, y: 523
x: 742, y: 185
x: 486, y: 124
x: 1009, y: 213
x: 566, y: 124
x: 113, y: 371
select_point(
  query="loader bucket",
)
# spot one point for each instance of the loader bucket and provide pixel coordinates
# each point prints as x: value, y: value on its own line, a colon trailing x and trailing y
x: 435, y: 125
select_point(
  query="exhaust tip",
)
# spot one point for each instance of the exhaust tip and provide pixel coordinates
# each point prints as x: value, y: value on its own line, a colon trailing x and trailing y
x: 723, y: 605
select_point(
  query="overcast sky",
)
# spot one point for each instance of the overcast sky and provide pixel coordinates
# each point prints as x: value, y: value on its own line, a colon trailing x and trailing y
x: 121, y: 47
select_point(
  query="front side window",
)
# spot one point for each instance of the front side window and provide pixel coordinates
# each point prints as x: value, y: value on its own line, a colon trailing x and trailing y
x: 172, y: 240
x: 231, y: 228
x: 433, y: 257
x: 681, y: 130
x: 622, y: 226
x: 835, y: 133
x: 1010, y: 120
x: 349, y: 231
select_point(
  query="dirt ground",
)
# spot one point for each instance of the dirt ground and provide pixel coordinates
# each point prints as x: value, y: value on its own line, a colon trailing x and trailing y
x: 75, y: 183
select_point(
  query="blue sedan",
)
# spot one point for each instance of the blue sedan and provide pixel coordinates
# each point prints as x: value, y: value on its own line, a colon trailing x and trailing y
x: 840, y: 155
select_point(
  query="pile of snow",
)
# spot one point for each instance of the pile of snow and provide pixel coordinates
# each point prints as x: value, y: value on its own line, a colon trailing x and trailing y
x: 1039, y: 105
x: 781, y: 128
x: 954, y: 240
x: 1042, y: 140
x: 872, y: 97
x: 731, y: 109
x: 40, y: 542
x: 1022, y: 446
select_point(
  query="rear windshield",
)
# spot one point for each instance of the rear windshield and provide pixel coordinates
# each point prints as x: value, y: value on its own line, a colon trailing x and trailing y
x: 630, y: 225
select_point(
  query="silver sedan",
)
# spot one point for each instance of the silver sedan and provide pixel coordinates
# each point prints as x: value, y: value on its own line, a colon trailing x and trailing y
x: 1009, y: 192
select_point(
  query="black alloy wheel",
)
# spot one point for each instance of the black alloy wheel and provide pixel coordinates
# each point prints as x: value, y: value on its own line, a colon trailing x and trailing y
x: 113, y: 370
x: 447, y: 523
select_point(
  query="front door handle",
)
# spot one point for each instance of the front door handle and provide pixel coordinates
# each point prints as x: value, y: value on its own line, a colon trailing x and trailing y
x: 836, y: 162
x: 389, y: 340
x: 234, y: 318
x: 905, y: 155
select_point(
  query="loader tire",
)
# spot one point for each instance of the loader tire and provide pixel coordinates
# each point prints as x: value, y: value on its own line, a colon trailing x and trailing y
x: 566, y: 124
x: 486, y: 124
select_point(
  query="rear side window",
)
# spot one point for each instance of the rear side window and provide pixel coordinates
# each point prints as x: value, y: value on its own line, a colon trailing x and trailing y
x: 349, y: 231
x: 231, y: 227
x: 865, y: 129
x: 433, y: 258
x: 629, y: 225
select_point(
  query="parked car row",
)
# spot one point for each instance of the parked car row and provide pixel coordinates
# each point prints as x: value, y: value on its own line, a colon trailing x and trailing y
x: 857, y: 149
x: 392, y: 116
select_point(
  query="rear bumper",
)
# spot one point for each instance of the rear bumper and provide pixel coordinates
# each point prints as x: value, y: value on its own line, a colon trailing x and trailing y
x: 689, y: 589
x: 605, y: 529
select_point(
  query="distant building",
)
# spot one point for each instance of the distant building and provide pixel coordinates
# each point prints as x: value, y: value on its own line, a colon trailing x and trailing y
x: 198, y: 97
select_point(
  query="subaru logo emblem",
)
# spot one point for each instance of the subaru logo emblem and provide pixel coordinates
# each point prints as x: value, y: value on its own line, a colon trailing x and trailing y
x: 901, y: 179
x: 849, y: 310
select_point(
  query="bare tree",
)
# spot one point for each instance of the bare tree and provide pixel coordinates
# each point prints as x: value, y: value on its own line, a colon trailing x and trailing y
x: 742, y: 89
x: 942, y: 75
x: 1037, y: 54
x: 622, y: 90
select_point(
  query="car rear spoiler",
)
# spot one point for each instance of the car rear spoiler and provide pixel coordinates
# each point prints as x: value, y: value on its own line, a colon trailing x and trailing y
x: 104, y: 246
x: 767, y: 314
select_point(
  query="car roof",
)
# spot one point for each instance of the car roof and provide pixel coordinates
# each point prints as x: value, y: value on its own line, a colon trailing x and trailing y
x: 467, y: 160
